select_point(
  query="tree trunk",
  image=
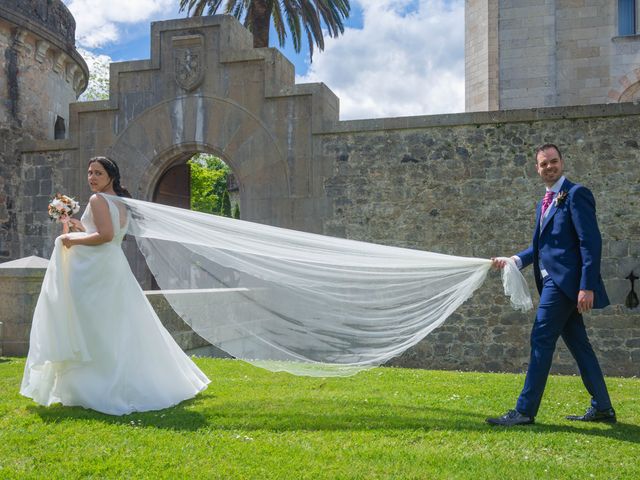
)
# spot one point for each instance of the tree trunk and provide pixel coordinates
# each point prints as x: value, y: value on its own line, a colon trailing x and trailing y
x: 260, y: 23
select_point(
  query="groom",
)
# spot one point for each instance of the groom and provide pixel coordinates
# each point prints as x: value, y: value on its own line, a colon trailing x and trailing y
x: 565, y: 254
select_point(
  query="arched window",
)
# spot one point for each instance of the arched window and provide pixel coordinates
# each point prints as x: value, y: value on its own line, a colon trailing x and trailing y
x: 59, y: 130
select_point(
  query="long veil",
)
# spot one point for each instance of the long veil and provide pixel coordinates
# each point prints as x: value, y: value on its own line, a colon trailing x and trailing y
x: 298, y: 302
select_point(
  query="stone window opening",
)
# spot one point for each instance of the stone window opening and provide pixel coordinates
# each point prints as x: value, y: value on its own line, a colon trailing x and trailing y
x: 59, y: 129
x: 627, y: 17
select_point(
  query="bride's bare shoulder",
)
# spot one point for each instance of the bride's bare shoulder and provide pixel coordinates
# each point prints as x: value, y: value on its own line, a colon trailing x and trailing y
x: 97, y: 197
x: 97, y: 200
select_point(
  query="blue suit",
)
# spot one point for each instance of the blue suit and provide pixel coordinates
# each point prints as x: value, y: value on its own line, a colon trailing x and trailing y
x: 568, y: 244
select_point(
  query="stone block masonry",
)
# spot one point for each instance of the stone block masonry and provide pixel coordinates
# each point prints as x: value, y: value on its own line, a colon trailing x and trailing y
x: 466, y: 185
x: 575, y: 47
x: 40, y: 74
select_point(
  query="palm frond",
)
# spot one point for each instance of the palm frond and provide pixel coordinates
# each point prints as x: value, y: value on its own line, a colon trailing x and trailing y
x: 299, y: 17
x: 312, y: 26
x: 214, y: 5
x: 310, y: 40
x: 237, y: 12
x: 332, y: 17
x: 292, y: 11
x: 195, y: 8
x: 278, y: 23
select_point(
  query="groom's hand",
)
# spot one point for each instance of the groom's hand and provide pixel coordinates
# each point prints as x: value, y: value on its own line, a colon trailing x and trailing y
x: 585, y: 301
x: 497, y: 264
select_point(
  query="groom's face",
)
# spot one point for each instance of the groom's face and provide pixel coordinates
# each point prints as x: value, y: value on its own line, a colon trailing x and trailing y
x: 549, y: 165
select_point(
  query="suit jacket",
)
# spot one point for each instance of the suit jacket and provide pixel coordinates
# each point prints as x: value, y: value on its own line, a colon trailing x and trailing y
x: 569, y: 244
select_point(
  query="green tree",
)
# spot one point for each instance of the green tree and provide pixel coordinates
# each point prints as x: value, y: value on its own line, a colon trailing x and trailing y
x: 299, y: 17
x: 225, y: 205
x: 98, y: 85
x: 208, y: 183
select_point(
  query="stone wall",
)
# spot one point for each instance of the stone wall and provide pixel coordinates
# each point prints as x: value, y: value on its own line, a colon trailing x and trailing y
x: 40, y: 74
x: 481, y: 55
x: 20, y: 283
x: 10, y: 143
x: 550, y: 53
x: 51, y: 15
x: 37, y: 82
x: 466, y: 185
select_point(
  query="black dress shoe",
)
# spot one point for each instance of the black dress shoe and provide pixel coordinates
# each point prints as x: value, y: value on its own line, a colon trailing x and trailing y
x: 511, y: 418
x: 593, y: 415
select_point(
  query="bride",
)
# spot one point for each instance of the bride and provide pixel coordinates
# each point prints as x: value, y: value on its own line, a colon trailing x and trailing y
x: 96, y: 341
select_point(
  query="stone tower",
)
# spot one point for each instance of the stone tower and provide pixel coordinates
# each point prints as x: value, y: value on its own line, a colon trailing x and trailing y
x: 545, y: 53
x: 42, y: 73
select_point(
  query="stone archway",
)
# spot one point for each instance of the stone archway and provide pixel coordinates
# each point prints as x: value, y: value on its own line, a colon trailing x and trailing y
x: 631, y: 94
x: 182, y: 126
x: 630, y: 87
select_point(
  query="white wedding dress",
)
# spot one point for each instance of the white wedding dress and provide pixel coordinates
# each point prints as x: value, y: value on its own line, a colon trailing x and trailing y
x: 96, y: 341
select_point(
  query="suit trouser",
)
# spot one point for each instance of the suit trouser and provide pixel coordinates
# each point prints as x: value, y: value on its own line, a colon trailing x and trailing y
x: 558, y: 316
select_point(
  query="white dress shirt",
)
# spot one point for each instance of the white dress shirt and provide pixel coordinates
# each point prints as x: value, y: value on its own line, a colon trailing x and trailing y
x: 555, y: 188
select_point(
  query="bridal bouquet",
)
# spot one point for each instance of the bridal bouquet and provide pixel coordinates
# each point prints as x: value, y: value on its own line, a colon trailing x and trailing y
x: 62, y: 207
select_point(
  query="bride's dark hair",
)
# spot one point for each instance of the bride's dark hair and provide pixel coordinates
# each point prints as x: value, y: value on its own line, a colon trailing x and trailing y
x: 113, y: 171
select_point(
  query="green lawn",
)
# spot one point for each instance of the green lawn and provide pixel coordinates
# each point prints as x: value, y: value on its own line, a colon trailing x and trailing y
x: 383, y: 423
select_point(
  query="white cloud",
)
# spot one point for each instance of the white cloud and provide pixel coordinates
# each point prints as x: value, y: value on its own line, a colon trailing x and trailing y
x: 408, y: 59
x: 99, y: 22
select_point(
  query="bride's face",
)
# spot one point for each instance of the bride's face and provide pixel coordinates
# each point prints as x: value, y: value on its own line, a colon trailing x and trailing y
x: 98, y: 177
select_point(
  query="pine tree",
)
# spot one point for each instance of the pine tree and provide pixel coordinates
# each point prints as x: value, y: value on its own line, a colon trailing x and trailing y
x: 225, y: 208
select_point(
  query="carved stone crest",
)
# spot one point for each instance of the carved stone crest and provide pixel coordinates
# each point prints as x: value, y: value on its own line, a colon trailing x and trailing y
x: 188, y: 55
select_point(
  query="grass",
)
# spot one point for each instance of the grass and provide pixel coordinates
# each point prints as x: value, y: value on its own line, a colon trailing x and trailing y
x: 383, y: 423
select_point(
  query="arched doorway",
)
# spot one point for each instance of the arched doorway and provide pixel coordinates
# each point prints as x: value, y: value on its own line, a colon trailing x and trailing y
x: 174, y: 187
x: 197, y: 181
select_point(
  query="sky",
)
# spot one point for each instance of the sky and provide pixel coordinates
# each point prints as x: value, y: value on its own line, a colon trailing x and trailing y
x: 395, y: 58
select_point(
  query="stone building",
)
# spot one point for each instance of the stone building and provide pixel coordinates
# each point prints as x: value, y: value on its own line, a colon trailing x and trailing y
x: 547, y: 53
x: 461, y: 184
x: 42, y: 73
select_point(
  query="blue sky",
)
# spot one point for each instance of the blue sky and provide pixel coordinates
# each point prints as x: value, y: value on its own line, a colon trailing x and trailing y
x: 396, y: 58
x: 134, y: 43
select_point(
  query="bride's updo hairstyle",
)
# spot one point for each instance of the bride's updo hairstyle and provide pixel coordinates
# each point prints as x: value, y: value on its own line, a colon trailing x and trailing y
x: 114, y: 174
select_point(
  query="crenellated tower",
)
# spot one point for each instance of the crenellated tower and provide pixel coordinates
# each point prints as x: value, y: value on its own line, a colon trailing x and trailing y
x: 42, y: 73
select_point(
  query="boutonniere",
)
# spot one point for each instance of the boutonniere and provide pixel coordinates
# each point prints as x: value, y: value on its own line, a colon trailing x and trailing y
x: 561, y: 197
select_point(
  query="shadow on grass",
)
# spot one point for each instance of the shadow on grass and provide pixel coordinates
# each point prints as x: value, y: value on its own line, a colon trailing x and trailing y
x: 178, y: 418
x: 626, y: 432
x: 314, y: 415
x: 284, y: 415
x: 2, y: 360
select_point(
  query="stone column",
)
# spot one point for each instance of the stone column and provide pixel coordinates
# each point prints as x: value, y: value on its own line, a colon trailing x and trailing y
x: 20, y: 283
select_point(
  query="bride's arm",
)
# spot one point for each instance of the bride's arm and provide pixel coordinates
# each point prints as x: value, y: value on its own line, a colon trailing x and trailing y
x: 104, y: 227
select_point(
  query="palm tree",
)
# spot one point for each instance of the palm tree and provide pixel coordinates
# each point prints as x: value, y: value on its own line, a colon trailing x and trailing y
x: 297, y: 15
